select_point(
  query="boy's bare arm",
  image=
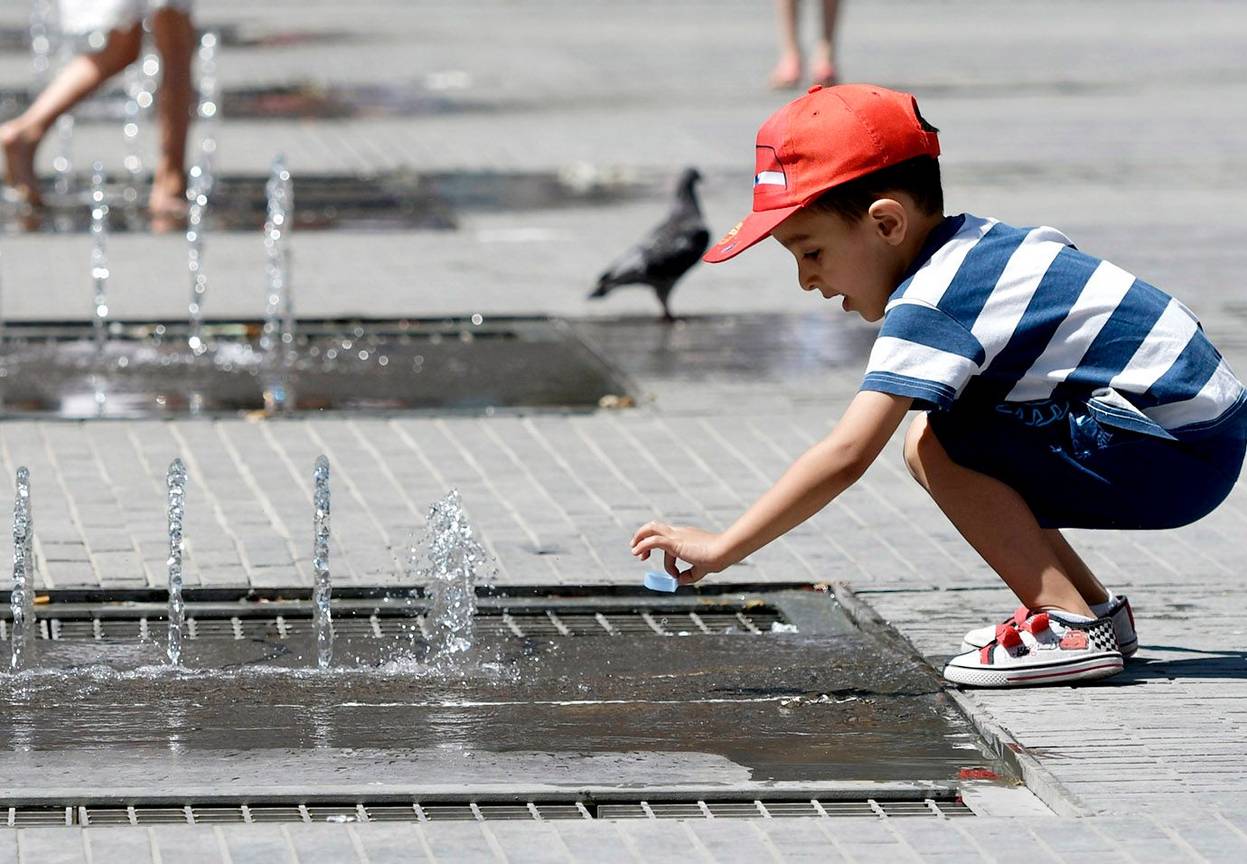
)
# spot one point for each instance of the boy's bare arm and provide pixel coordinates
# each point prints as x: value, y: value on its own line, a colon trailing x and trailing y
x: 810, y: 483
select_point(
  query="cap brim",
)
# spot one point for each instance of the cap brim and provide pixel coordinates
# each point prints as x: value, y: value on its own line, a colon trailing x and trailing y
x: 756, y: 226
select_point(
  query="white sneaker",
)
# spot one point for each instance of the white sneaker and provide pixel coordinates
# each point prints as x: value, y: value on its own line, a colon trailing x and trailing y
x: 1039, y: 650
x: 1119, y: 613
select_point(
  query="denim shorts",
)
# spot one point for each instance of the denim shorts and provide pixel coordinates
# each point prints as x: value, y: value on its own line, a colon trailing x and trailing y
x: 1076, y: 472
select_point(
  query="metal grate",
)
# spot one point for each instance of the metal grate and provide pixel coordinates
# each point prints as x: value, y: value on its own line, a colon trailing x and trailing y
x: 479, y: 811
x: 379, y: 624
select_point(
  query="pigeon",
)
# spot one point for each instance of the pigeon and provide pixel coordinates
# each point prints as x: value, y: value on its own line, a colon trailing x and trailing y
x: 667, y: 252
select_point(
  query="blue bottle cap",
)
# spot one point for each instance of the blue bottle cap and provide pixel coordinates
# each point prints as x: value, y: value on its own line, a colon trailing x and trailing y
x: 660, y: 582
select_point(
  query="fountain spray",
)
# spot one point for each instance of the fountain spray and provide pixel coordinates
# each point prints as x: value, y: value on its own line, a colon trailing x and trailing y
x: 21, y: 598
x: 455, y: 560
x: 197, y: 196
x: 176, y: 483
x: 320, y: 564
x: 209, y: 109
x: 99, y: 253
x: 279, y: 310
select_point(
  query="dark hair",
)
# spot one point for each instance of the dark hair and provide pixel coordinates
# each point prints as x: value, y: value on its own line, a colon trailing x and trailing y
x: 919, y: 178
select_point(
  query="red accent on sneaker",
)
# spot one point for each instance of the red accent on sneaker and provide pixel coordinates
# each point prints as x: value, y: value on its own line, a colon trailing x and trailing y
x: 1037, y: 624
x: 1074, y: 639
x: 1020, y: 615
x: 985, y: 653
x: 1007, y: 636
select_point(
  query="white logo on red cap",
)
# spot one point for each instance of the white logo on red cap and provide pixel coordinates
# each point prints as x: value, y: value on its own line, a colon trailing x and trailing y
x: 770, y: 171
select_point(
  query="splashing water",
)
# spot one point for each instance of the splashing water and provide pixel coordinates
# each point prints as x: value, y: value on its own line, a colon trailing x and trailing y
x: 176, y: 482
x: 197, y: 197
x: 99, y: 253
x: 279, y: 309
x: 455, y: 560
x: 209, y: 109
x: 63, y: 162
x: 41, y: 42
x: 320, y: 564
x: 139, y: 86
x: 277, y: 337
x: 22, y: 599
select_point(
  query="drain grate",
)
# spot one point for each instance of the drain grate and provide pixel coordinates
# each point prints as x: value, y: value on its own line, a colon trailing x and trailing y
x: 483, y: 811
x: 547, y: 623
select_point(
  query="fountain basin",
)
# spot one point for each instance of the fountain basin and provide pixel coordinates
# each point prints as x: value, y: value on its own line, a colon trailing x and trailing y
x: 147, y: 370
x: 388, y: 201
x: 826, y: 704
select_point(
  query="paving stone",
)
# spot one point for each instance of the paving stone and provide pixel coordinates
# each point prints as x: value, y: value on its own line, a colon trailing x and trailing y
x: 51, y: 845
x: 596, y: 841
x: 452, y: 842
x: 120, y: 844
x: 386, y: 843
x: 321, y: 844
x: 256, y: 844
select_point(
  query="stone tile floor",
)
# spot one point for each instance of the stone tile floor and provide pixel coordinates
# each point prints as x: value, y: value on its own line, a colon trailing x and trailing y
x: 1111, y: 127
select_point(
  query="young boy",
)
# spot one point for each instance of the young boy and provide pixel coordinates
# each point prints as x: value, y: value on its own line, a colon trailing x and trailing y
x: 1055, y: 389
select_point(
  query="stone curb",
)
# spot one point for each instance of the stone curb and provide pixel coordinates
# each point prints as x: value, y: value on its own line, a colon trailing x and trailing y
x: 1038, y: 779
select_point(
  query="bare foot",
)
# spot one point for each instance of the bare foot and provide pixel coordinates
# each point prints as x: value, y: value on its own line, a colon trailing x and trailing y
x: 825, y: 74
x: 168, y: 196
x: 19, y: 161
x: 787, y: 72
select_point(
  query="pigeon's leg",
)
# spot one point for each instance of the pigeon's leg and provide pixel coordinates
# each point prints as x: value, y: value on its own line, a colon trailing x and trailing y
x: 664, y: 291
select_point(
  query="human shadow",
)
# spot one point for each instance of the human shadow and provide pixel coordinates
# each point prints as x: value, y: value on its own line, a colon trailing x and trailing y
x: 1200, y: 664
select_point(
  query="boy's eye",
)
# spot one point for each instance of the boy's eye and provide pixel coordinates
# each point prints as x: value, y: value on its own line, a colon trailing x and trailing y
x: 810, y: 256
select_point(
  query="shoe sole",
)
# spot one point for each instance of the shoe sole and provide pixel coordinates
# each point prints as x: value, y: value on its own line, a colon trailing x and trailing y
x: 1086, y: 669
x: 1127, y: 651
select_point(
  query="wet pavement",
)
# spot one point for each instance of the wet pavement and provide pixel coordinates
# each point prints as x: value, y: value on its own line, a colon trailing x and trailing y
x: 147, y: 370
x: 828, y: 704
x: 391, y: 201
x: 1041, y: 127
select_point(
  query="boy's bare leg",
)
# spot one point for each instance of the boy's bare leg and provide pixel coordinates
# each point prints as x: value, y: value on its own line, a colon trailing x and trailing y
x: 21, y: 136
x: 1091, y: 589
x: 175, y: 39
x: 824, y: 68
x: 787, y: 71
x: 997, y: 523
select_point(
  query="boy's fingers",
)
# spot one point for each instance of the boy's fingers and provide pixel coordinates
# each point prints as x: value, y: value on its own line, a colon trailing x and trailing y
x: 689, y: 576
x: 647, y: 530
x: 669, y: 562
x: 642, y: 549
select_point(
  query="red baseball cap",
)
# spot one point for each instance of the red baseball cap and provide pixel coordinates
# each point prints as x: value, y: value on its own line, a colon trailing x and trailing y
x: 827, y: 137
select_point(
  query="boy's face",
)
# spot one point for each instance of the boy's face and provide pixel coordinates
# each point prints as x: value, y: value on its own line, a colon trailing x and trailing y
x: 861, y: 261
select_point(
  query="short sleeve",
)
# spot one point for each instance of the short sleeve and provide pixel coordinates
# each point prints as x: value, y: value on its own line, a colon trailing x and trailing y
x: 924, y: 353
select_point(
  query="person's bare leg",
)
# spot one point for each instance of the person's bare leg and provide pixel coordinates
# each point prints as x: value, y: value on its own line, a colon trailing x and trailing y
x: 20, y: 137
x: 996, y: 522
x: 1091, y: 589
x: 823, y: 70
x: 175, y: 39
x: 787, y: 71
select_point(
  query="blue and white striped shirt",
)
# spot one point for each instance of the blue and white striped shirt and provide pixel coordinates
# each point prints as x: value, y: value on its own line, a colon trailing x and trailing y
x: 1004, y: 314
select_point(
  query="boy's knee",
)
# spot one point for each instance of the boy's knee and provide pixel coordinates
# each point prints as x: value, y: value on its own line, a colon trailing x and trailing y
x: 922, y: 448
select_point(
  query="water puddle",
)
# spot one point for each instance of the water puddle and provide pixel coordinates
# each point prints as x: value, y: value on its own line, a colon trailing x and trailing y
x: 382, y: 202
x: 148, y: 370
x: 295, y: 101
x: 17, y: 39
x: 827, y: 703
x: 754, y: 347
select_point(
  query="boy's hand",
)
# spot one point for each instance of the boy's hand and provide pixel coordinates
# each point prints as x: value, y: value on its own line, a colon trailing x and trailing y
x: 699, y: 548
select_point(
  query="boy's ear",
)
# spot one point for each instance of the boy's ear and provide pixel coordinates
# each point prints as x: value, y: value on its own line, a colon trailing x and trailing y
x: 889, y: 219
